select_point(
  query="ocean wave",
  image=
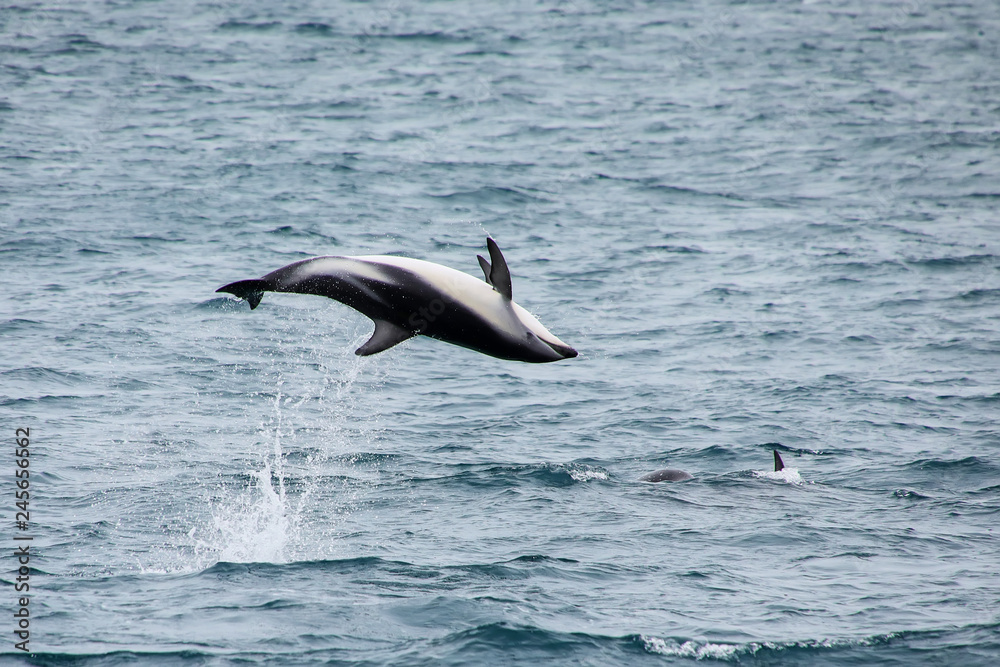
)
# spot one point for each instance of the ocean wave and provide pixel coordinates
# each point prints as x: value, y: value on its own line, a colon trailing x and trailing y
x: 313, y: 28
x: 294, y: 232
x: 121, y: 657
x: 532, y: 474
x: 514, y: 643
x: 696, y: 650
x: 361, y: 563
x: 504, y: 642
x: 39, y: 374
x: 18, y: 324
x: 970, y: 645
x: 434, y: 36
x: 969, y: 464
x: 248, y: 26
x: 980, y: 295
x: 401, y: 572
x: 489, y: 195
x: 952, y: 262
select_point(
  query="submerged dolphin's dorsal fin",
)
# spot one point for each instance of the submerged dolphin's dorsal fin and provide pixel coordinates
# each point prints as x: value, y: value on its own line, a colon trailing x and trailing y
x: 386, y: 335
x: 486, y: 268
x: 778, y: 463
x: 499, y: 273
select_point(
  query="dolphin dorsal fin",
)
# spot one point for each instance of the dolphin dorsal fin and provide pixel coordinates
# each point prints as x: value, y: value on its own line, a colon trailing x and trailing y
x: 499, y: 273
x: 386, y: 335
x: 778, y: 463
x: 486, y: 268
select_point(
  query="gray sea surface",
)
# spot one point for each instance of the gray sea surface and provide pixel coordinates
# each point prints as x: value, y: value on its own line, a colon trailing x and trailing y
x: 765, y: 225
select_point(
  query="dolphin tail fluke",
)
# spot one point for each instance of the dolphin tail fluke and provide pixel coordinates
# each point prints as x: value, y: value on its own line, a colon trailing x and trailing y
x: 251, y: 290
x: 778, y: 463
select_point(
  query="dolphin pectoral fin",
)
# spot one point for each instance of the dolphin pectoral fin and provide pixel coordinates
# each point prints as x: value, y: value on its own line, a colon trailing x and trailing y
x: 499, y: 273
x: 778, y: 463
x: 251, y: 290
x: 386, y: 335
x: 486, y: 268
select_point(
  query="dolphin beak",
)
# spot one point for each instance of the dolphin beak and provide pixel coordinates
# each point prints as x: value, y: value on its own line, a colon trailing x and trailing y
x: 565, y: 350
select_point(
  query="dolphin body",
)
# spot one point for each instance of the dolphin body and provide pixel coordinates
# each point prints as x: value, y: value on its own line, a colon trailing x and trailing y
x: 409, y: 297
x: 674, y: 475
x: 666, y: 475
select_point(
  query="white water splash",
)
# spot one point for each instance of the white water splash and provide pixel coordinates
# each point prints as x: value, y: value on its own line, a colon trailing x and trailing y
x: 789, y: 475
x: 691, y: 649
x: 258, y: 527
x: 587, y: 475
x: 258, y: 523
x: 274, y: 517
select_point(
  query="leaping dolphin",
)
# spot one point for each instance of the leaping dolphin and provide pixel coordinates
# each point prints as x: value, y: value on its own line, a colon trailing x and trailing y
x: 409, y: 297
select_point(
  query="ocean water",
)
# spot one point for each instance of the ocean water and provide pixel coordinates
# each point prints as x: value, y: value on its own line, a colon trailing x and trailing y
x: 764, y: 225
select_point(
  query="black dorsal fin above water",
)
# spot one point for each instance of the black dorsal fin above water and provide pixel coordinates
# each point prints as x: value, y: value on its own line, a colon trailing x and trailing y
x: 499, y: 273
x: 486, y: 268
x: 778, y: 463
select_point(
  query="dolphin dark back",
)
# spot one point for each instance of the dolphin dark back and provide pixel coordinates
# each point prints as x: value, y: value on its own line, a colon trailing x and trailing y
x: 666, y: 475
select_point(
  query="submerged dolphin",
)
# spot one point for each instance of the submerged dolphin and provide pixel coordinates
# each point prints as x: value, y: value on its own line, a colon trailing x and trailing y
x: 666, y: 475
x: 409, y: 297
x: 674, y: 475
